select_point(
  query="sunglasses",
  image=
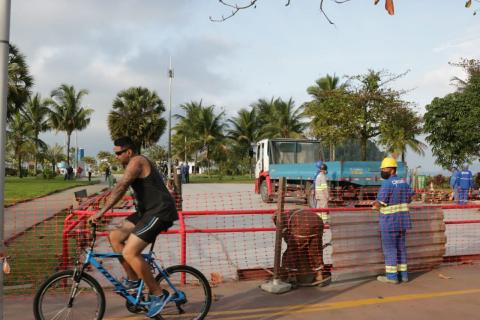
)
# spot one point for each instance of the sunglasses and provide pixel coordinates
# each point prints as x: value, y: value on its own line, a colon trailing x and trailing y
x: 118, y: 153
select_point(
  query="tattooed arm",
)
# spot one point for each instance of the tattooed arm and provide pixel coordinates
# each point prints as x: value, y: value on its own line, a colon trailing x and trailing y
x: 132, y: 172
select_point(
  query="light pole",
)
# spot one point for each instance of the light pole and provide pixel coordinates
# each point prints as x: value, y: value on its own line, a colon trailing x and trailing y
x: 4, y: 49
x: 170, y: 79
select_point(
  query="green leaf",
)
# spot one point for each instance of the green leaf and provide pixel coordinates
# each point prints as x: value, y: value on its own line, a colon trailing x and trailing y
x: 468, y: 4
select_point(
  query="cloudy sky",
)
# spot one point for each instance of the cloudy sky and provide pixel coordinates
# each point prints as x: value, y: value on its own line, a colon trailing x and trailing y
x: 106, y: 46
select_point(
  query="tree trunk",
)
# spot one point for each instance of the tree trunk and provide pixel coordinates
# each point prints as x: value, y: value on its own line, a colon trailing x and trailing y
x: 20, y: 166
x: 68, y: 149
x: 195, y: 163
x: 403, y: 156
x: 363, y: 148
x: 250, y: 166
x: 334, y: 155
x: 35, y: 156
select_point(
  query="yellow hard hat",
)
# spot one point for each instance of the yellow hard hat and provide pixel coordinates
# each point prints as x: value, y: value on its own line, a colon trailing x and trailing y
x: 388, y: 163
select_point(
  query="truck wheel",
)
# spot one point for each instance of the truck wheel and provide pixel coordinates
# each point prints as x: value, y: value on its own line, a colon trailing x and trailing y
x: 264, y: 192
x: 312, y: 203
x: 310, y: 195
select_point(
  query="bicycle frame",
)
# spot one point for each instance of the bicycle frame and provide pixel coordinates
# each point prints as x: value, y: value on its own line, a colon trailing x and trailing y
x: 119, y: 288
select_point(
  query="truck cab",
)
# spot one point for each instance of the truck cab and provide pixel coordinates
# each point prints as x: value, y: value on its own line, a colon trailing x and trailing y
x: 293, y: 159
x: 354, y: 182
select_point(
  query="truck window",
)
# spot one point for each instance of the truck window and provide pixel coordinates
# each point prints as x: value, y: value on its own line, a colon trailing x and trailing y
x: 285, y: 152
x: 308, y: 152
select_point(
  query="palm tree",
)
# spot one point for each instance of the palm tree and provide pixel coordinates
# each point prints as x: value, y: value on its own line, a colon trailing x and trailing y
x: 36, y: 114
x: 54, y: 154
x: 66, y: 113
x: 156, y: 153
x: 280, y: 119
x: 399, y: 131
x: 325, y: 88
x: 19, y: 81
x: 137, y: 113
x: 201, y: 127
x: 244, y: 132
x: 20, y: 139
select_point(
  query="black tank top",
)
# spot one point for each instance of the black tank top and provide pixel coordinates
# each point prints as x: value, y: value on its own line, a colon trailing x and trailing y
x: 153, y: 197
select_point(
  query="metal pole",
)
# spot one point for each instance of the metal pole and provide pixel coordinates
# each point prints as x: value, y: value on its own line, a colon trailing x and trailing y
x: 170, y: 77
x: 4, y: 50
x: 279, y: 225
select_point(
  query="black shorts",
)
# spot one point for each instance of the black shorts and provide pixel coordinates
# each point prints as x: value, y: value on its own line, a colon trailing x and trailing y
x: 148, y: 226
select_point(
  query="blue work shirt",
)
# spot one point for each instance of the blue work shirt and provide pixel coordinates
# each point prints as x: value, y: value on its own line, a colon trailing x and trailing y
x: 465, y: 179
x: 394, y: 196
x: 454, y: 179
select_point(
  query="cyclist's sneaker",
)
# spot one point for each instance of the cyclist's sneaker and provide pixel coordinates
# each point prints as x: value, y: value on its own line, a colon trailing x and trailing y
x: 157, y: 303
x: 130, y: 284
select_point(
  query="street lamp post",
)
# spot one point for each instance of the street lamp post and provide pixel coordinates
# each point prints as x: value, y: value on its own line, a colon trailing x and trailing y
x: 170, y: 79
x: 4, y: 50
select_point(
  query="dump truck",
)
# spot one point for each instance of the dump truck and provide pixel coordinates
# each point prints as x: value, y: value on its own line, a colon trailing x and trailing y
x: 351, y: 182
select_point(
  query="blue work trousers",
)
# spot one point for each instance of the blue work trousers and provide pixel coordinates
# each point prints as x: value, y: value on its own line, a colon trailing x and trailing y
x: 395, y: 252
x: 462, y: 196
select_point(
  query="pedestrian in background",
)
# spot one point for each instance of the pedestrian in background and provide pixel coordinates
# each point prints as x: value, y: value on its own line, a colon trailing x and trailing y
x: 187, y: 173
x: 321, y: 188
x: 464, y: 183
x: 392, y: 202
x: 183, y: 173
x: 107, y: 173
x: 453, y: 183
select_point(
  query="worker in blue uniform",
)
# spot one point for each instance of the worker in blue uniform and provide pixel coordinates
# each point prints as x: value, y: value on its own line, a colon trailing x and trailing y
x: 392, y: 202
x: 453, y: 183
x: 464, y: 184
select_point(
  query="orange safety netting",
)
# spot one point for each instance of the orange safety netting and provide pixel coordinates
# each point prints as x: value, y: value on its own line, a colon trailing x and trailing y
x: 230, y: 236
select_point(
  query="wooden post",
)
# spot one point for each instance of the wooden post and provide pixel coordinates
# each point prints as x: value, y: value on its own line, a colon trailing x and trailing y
x: 278, y: 233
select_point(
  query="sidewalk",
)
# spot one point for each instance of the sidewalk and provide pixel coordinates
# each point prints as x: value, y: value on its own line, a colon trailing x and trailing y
x: 427, y: 296
x: 442, y: 294
x: 23, y: 216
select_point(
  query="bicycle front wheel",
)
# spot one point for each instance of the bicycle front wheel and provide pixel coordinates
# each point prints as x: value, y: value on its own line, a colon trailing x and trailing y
x: 195, y: 296
x: 61, y: 297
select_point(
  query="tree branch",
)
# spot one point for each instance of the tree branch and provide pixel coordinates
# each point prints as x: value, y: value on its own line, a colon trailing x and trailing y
x: 235, y: 8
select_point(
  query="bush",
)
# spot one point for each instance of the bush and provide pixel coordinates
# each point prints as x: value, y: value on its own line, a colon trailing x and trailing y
x: 49, y: 174
x: 11, y: 172
x: 439, y: 181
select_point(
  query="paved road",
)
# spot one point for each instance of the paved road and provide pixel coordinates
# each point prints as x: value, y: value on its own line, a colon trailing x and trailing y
x: 442, y: 294
x: 24, y: 215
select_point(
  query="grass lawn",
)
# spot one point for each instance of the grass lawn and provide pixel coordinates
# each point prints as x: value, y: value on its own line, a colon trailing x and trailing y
x: 17, y: 189
x: 35, y: 255
x: 215, y: 178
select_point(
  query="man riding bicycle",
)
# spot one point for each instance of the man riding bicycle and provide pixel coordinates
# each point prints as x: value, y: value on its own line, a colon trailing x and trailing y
x: 156, y: 212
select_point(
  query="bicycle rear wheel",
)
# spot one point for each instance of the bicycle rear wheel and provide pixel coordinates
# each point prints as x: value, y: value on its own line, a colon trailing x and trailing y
x: 52, y: 298
x: 196, y: 289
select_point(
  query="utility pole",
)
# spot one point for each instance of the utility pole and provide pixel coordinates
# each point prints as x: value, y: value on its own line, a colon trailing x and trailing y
x: 4, y: 51
x: 170, y: 79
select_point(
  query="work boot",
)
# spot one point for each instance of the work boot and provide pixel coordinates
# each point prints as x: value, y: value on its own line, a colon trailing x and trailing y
x: 404, y: 276
x: 384, y: 279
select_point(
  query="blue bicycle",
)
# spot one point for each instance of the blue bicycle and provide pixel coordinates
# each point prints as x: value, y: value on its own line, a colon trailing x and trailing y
x: 74, y: 294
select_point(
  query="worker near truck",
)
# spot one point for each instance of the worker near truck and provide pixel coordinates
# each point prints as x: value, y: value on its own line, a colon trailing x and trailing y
x: 453, y: 183
x: 392, y: 202
x: 321, y: 188
x: 464, y: 183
